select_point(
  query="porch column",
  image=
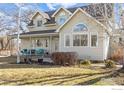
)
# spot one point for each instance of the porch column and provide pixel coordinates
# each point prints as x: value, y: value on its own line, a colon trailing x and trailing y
x: 30, y: 42
x: 50, y: 44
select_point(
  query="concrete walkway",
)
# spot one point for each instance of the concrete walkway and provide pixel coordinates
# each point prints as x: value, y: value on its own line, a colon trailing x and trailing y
x: 102, y: 65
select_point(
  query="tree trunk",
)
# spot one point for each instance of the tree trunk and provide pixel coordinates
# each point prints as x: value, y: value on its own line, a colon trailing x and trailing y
x: 1, y: 43
x: 6, y: 45
x: 123, y: 60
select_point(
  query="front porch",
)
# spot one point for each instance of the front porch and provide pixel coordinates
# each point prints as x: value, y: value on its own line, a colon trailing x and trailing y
x: 49, y: 42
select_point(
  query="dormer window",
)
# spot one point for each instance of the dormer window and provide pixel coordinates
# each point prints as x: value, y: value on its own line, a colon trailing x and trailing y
x: 39, y: 23
x: 61, y: 19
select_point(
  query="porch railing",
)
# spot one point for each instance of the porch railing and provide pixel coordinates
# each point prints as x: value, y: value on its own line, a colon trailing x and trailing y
x: 5, y: 52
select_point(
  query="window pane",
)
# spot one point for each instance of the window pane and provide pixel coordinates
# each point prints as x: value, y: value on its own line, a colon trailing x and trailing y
x: 84, y: 40
x: 39, y: 43
x: 80, y: 27
x: 39, y: 23
x: 67, y: 42
x: 80, y: 40
x: 62, y: 19
x: 76, y: 40
x: 93, y: 40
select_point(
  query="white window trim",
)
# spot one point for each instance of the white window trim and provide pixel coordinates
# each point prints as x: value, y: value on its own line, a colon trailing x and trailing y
x: 65, y: 40
x: 77, y: 33
x: 58, y: 20
x: 37, y: 23
x: 94, y: 33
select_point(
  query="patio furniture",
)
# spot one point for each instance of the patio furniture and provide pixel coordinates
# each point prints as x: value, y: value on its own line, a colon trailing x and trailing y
x: 40, y: 61
x: 33, y: 54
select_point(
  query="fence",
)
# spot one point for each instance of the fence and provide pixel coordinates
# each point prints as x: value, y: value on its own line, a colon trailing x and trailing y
x: 7, y: 52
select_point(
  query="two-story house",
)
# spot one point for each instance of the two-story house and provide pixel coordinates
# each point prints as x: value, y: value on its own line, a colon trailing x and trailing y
x: 79, y: 29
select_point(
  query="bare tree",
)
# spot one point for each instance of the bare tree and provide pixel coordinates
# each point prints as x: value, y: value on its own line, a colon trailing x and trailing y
x: 120, y: 30
x: 104, y: 13
x: 8, y: 25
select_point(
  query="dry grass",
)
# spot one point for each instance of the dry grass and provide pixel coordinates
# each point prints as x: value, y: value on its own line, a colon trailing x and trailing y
x: 50, y: 76
x: 34, y: 74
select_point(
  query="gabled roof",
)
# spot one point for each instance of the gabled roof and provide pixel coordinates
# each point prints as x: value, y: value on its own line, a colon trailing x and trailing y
x: 45, y: 15
x: 50, y: 21
x: 79, y: 9
x: 53, y: 15
x: 93, y: 9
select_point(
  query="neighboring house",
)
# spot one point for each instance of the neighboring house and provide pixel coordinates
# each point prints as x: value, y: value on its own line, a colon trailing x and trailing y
x: 79, y: 29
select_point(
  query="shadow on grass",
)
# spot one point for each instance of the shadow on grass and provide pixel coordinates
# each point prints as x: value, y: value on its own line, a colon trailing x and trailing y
x: 95, y: 80
x: 17, y: 66
x: 58, y: 79
x: 10, y: 63
x: 54, y: 77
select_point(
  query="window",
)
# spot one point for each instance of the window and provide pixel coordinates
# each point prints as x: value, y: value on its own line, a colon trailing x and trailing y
x: 80, y: 40
x: 67, y: 40
x: 120, y: 39
x: 80, y: 27
x: 93, y: 40
x: 39, y: 23
x: 38, y: 43
x: 62, y: 19
x: 46, y: 43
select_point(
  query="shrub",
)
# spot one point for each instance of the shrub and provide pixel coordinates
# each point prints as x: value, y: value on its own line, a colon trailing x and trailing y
x: 64, y: 58
x: 117, y: 55
x: 85, y: 62
x: 110, y: 64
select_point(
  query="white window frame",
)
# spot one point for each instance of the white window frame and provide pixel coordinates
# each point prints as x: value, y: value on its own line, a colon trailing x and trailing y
x: 93, y: 33
x: 65, y: 40
x: 58, y: 20
x: 83, y: 33
x: 39, y: 21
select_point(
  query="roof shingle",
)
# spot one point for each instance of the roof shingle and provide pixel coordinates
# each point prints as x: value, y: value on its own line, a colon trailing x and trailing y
x: 94, y: 10
x: 39, y: 32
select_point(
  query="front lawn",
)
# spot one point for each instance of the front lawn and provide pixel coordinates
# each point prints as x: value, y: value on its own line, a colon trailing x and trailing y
x: 34, y: 74
x: 50, y: 76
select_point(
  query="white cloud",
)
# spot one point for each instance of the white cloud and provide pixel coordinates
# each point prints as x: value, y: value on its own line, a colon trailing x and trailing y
x: 122, y: 6
x: 52, y: 6
x: 66, y: 5
x: 19, y: 4
x: 2, y: 14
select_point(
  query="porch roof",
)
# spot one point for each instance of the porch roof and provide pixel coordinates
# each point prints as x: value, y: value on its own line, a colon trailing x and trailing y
x: 36, y: 33
x: 39, y: 32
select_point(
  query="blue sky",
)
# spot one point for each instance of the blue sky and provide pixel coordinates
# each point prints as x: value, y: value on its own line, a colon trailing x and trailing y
x: 39, y: 6
x: 9, y: 8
